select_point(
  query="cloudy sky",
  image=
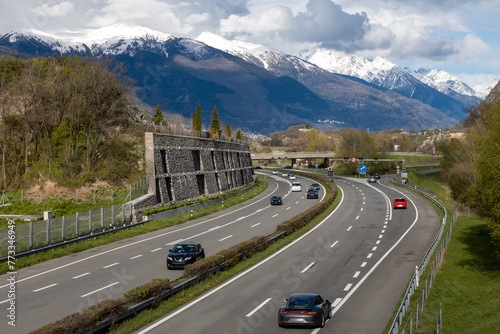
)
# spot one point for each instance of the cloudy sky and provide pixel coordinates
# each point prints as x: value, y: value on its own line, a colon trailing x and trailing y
x: 461, y: 37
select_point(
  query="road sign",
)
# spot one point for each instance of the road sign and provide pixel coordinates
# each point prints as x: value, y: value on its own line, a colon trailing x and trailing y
x: 316, y: 166
x: 329, y: 173
x: 362, y: 169
x: 353, y: 159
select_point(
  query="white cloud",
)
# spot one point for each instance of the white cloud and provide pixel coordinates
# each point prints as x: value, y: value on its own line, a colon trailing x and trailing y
x: 57, y: 10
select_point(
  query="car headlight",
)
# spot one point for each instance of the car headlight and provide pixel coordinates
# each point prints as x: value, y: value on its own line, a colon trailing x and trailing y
x: 188, y: 258
x: 169, y: 258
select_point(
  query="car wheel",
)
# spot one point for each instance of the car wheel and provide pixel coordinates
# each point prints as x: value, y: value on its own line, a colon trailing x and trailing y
x: 323, y: 320
x: 329, y: 311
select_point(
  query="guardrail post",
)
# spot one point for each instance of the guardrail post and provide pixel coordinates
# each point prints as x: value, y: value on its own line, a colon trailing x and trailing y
x: 113, y: 215
x: 90, y: 221
x: 417, y: 276
x: 77, y: 225
x: 102, y: 219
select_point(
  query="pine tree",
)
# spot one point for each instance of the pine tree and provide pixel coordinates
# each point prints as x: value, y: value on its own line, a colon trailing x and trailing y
x: 158, y: 116
x: 215, y: 123
x: 198, y: 119
x: 238, y: 134
x: 193, y: 123
x: 228, y: 131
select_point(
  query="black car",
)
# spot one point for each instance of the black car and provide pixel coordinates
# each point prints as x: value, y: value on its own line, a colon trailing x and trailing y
x: 316, y: 186
x: 183, y: 254
x: 377, y: 176
x: 312, y: 193
x: 306, y: 310
x: 276, y: 200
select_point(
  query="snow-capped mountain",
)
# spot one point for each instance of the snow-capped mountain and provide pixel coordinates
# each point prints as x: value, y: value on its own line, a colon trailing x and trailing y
x: 379, y: 72
x: 253, y: 88
x: 423, y: 85
x: 444, y: 82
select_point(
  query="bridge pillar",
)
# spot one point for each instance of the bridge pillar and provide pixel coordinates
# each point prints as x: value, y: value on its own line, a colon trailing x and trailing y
x: 294, y: 161
x: 326, y: 162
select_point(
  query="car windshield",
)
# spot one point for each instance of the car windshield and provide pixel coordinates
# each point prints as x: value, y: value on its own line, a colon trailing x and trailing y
x: 276, y: 197
x: 183, y: 249
x: 301, y: 301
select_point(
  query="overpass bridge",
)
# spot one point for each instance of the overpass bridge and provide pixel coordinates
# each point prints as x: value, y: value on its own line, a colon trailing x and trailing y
x: 293, y: 156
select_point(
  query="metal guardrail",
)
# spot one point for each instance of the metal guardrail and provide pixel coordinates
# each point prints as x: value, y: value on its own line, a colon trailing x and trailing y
x: 394, y: 329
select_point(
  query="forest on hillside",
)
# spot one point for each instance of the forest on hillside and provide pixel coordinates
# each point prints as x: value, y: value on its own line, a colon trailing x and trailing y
x: 66, y: 119
x: 471, y: 165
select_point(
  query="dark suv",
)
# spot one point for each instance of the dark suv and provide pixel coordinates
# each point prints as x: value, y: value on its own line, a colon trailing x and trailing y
x: 183, y: 254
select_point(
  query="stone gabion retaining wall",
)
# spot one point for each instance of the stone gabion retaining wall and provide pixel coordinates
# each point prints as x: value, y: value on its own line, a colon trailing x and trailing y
x: 184, y: 168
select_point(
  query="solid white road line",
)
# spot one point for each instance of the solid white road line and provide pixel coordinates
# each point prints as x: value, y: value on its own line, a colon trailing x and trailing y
x: 336, y: 302
x: 258, y: 307
x: 223, y: 285
x: 107, y: 286
x: 45, y: 287
x: 140, y: 241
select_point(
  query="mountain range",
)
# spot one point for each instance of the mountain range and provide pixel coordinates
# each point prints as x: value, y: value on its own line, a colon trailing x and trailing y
x: 261, y: 90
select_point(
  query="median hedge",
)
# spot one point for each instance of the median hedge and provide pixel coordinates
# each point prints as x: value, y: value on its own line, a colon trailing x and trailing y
x: 86, y: 320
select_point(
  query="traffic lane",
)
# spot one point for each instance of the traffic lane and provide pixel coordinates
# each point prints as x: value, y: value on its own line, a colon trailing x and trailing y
x: 109, y: 280
x: 371, y: 308
x: 342, y: 272
x: 144, y: 239
x: 310, y: 264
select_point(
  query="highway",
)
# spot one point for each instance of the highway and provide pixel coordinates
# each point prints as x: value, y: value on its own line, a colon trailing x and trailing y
x: 48, y: 291
x: 360, y: 258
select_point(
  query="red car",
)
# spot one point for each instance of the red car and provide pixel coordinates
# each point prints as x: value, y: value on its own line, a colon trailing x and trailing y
x: 400, y: 203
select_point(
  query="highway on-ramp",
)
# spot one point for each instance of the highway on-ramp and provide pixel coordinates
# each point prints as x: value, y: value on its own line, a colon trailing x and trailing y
x: 48, y: 291
x: 360, y: 258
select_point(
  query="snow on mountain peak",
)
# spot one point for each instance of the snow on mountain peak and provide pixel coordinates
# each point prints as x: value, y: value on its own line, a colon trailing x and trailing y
x: 234, y: 46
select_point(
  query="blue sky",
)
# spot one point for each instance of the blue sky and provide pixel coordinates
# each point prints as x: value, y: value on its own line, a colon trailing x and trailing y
x: 458, y: 36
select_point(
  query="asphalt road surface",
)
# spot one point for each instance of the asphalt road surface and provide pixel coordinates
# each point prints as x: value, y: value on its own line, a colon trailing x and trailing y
x: 360, y: 257
x: 48, y: 291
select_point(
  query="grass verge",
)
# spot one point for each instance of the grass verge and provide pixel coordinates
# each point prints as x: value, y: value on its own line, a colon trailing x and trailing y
x: 131, y: 232
x: 148, y: 316
x: 466, y: 284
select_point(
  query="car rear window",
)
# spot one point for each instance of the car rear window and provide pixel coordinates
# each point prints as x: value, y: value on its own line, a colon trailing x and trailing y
x: 301, y: 301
